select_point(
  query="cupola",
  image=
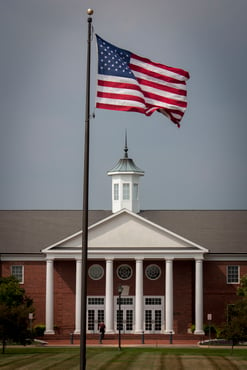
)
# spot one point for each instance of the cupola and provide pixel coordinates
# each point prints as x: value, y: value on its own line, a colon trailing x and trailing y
x: 125, y: 184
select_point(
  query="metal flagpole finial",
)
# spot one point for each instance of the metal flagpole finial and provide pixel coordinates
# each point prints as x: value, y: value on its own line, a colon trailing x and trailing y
x: 126, y: 146
x: 90, y: 11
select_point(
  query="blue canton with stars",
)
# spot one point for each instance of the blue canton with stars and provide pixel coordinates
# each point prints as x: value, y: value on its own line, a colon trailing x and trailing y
x: 113, y: 61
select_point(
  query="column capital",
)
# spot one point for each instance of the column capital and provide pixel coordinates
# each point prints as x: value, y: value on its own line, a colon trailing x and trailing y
x: 49, y: 259
x: 169, y: 259
x: 109, y: 259
x: 139, y: 259
x: 198, y: 259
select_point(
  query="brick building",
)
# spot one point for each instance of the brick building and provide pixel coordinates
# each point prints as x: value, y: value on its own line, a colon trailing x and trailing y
x: 175, y: 267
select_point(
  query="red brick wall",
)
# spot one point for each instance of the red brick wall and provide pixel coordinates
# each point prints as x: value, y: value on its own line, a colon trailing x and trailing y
x: 154, y: 287
x: 34, y: 284
x: 217, y: 293
x: 130, y: 282
x: 96, y: 287
x: 64, y: 300
x: 183, y: 288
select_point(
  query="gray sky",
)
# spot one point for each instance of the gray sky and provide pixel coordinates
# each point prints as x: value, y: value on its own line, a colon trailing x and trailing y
x: 202, y: 165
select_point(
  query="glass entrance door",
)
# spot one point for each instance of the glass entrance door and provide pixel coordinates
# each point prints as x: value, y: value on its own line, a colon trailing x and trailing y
x: 125, y: 319
x: 153, y: 320
x: 153, y: 314
x: 95, y: 313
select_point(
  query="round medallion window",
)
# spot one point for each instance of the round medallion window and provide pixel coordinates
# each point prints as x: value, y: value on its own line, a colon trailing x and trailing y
x: 124, y: 272
x: 96, y: 272
x: 153, y: 272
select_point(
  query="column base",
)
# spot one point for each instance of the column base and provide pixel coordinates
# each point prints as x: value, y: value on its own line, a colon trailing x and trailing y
x: 199, y: 332
x: 77, y: 332
x: 110, y: 332
x: 49, y: 332
x: 139, y: 331
x: 169, y: 332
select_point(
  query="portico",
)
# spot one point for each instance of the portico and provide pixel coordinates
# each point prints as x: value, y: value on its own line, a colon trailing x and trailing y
x: 109, y: 243
x: 129, y: 250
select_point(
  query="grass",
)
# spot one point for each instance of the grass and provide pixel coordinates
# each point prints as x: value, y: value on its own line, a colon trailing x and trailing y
x: 128, y: 358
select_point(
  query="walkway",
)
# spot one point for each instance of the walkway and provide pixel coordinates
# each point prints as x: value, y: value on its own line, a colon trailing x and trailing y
x: 126, y: 343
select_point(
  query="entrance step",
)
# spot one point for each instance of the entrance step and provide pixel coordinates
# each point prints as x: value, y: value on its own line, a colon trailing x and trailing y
x: 134, y: 337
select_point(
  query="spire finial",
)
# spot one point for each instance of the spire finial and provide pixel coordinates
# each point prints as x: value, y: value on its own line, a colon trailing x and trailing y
x: 126, y: 146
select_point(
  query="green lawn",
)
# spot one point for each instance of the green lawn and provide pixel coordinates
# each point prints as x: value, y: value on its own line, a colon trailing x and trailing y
x: 36, y: 358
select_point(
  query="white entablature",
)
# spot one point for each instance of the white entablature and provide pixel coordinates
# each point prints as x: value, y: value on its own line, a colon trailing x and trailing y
x: 127, y: 235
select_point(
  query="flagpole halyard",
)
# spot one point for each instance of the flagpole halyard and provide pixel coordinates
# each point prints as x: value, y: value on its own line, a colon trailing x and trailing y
x: 83, y: 329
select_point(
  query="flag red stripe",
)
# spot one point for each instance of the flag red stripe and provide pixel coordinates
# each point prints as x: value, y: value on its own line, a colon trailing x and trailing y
x: 163, y: 99
x: 158, y: 98
x: 162, y: 66
x: 119, y: 85
x: 161, y: 87
x: 120, y: 107
x: 108, y: 95
x: 156, y: 75
x: 129, y: 82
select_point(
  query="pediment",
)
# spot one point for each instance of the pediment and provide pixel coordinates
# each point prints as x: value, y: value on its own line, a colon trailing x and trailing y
x: 126, y: 231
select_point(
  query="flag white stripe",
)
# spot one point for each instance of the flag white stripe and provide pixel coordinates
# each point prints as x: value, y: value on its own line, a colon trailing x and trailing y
x: 162, y: 104
x: 120, y: 91
x: 158, y: 81
x: 139, y: 84
x: 130, y: 103
x: 110, y: 78
x: 123, y: 91
x: 156, y: 69
x: 149, y: 101
x: 163, y: 93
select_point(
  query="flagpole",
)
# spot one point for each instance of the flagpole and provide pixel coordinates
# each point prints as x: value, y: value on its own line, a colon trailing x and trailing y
x: 83, y: 329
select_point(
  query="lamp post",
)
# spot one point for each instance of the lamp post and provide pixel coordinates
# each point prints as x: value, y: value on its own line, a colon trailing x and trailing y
x: 120, y: 290
x: 30, y: 317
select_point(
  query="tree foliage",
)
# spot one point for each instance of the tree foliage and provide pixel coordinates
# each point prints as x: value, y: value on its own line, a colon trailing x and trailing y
x: 236, y: 326
x: 15, y: 307
x: 242, y: 289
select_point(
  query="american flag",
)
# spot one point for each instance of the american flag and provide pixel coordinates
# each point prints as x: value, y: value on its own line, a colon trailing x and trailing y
x: 128, y: 82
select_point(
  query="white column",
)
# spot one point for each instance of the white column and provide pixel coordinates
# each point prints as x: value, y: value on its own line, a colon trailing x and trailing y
x: 78, y: 298
x: 169, y: 296
x: 139, y: 297
x: 199, y: 297
x: 109, y: 304
x: 49, y: 311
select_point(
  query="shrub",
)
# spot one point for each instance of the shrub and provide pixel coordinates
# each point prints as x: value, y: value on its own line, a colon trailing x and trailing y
x: 39, y: 330
x: 212, y: 328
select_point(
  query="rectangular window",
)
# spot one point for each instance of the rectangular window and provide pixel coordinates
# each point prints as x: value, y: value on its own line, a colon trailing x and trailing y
x: 95, y: 300
x: 129, y: 319
x: 153, y: 301
x: 18, y: 272
x: 116, y: 191
x: 126, y: 191
x: 157, y: 320
x: 101, y: 316
x: 148, y: 320
x: 232, y: 274
x: 90, y: 320
x: 135, y: 192
x: 120, y: 320
x: 127, y: 301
